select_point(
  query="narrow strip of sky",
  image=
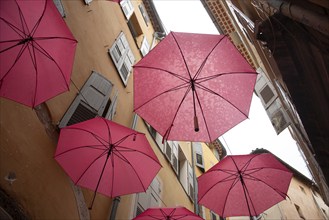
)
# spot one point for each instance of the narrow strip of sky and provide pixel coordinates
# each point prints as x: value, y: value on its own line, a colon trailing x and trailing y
x: 255, y: 132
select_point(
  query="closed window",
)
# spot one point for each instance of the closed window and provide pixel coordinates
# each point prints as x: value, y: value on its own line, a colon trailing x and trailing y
x: 144, y: 13
x: 198, y: 154
x: 93, y: 100
x: 127, y: 8
x: 145, y: 47
x: 151, y: 198
x: 122, y: 57
x: 171, y: 152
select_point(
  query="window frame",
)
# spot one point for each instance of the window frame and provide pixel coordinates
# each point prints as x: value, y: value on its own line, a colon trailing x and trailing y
x: 122, y: 57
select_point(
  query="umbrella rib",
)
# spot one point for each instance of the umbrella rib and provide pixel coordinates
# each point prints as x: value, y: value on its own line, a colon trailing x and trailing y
x: 15, y: 61
x: 245, y: 190
x: 180, y: 104
x: 167, y: 71
x: 39, y: 20
x: 132, y: 150
x: 220, y: 181
x: 228, y: 192
x: 181, y: 52
x: 215, y: 93
x: 162, y: 93
x: 100, y: 139
x: 206, y: 58
x: 204, y: 79
x: 14, y: 28
x: 250, y: 177
x: 98, y: 157
x: 96, y: 147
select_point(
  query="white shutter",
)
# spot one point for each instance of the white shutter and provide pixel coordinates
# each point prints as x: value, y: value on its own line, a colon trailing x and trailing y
x: 265, y: 89
x: 90, y: 102
x: 145, y: 47
x: 168, y: 150
x: 127, y: 8
x: 122, y: 57
x: 174, y: 157
x: 87, y: 2
x: 190, y: 181
x: 198, y: 154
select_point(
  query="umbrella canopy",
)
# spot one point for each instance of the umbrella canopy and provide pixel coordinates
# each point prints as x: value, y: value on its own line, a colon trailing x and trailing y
x: 107, y: 157
x: 244, y: 185
x: 167, y: 214
x: 193, y: 87
x: 36, y: 51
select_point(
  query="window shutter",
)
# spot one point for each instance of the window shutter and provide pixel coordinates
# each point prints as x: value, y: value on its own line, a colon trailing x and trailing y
x: 134, y: 122
x: 168, y: 151
x: 122, y: 57
x: 199, y: 154
x: 190, y: 181
x: 90, y: 102
x: 175, y: 156
x: 144, y: 13
x: 87, y: 2
x: 127, y: 8
x: 145, y: 47
x: 112, y: 109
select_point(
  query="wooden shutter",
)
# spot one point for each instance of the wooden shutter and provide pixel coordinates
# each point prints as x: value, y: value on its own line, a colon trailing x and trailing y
x: 174, y: 157
x: 90, y: 102
x: 122, y: 57
x: 127, y: 8
x: 198, y: 154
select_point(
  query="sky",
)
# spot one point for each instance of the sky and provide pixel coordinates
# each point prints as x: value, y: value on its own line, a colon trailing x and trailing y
x: 256, y: 131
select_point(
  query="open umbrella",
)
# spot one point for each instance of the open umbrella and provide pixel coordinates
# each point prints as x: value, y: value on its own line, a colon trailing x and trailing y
x: 106, y: 157
x: 36, y: 51
x: 193, y: 87
x: 244, y: 185
x: 175, y: 213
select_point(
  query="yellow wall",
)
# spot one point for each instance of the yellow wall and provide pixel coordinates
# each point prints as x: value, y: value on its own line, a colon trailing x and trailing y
x: 42, y: 187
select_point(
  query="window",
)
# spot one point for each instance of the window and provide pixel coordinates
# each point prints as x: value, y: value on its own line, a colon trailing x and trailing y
x: 87, y: 2
x: 171, y: 152
x: 151, y: 198
x: 145, y: 47
x: 198, y: 154
x: 190, y: 181
x: 92, y: 100
x: 122, y: 57
x: 213, y: 215
x: 59, y: 6
x: 144, y: 13
x: 127, y: 8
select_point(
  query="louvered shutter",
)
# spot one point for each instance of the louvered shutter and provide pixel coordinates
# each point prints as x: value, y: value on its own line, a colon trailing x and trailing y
x: 90, y: 102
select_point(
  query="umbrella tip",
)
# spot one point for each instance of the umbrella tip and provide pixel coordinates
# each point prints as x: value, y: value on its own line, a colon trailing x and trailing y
x: 134, y: 138
x: 196, y: 124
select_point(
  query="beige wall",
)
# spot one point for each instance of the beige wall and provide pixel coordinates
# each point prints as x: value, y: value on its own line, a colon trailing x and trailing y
x: 42, y: 187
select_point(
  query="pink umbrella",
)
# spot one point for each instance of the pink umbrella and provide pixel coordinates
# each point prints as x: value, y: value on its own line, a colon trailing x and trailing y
x: 244, y: 185
x: 36, y: 51
x: 193, y: 87
x: 107, y: 157
x: 176, y: 213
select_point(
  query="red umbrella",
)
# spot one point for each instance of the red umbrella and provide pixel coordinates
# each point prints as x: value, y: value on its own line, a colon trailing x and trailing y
x: 36, y: 51
x: 193, y: 87
x: 107, y: 157
x: 167, y: 214
x: 244, y: 185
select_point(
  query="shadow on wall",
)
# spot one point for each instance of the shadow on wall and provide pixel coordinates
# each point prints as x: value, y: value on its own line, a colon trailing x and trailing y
x: 10, y: 208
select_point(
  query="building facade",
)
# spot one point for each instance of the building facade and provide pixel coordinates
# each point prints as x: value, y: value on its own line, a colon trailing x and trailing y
x: 111, y: 36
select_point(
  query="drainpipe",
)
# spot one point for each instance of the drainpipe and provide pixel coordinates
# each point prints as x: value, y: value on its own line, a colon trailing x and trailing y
x: 115, y: 204
x: 196, y: 209
x: 303, y: 15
